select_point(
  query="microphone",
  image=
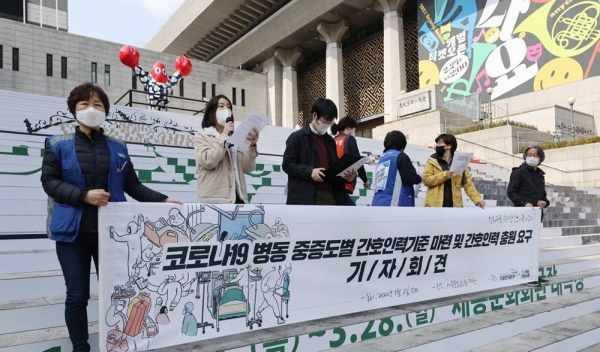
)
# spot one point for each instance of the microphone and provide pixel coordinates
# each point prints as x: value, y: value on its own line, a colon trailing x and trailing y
x: 229, y: 119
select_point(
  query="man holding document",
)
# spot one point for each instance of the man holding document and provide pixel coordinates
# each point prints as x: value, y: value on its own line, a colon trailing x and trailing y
x: 446, y: 172
x: 315, y: 174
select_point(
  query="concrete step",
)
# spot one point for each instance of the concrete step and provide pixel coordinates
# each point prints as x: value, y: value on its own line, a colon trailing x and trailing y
x: 559, y: 241
x: 569, y: 266
x: 564, y: 252
x: 26, y: 245
x: 473, y: 332
x: 35, y: 314
x: 569, y: 335
x: 23, y: 286
x: 594, y: 348
x: 28, y: 261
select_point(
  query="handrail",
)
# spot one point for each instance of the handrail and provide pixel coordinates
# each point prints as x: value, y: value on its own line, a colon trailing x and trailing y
x: 520, y: 159
x: 173, y: 97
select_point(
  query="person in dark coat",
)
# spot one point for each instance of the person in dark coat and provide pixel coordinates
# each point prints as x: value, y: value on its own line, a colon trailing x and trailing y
x: 527, y: 187
x: 308, y: 152
x: 82, y: 171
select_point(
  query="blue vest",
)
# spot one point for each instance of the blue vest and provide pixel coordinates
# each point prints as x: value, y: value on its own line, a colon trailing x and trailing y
x: 389, y: 190
x: 64, y: 220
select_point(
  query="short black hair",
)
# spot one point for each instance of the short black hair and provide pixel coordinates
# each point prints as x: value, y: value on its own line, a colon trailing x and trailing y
x: 84, y: 92
x: 448, y: 139
x: 346, y: 122
x: 325, y: 109
x: 210, y: 111
x: 539, y: 151
x: 394, y: 140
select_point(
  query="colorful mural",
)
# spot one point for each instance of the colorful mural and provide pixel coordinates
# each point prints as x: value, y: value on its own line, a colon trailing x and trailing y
x: 513, y: 46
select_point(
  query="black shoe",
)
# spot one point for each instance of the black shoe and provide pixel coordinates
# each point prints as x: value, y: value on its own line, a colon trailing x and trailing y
x: 533, y: 284
x: 543, y: 282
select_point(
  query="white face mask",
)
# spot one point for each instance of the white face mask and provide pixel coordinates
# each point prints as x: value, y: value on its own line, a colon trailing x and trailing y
x: 222, y: 116
x: 531, y: 161
x: 90, y: 117
x: 321, y: 128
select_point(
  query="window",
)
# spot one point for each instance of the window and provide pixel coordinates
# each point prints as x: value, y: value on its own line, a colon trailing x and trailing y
x: 233, y: 96
x: 107, y: 75
x: 214, y: 89
x: 63, y: 67
x: 49, y: 65
x: 1, y: 57
x: 203, y: 90
x: 15, y: 63
x: 181, y: 87
x: 94, y: 72
x: 243, y: 97
x: 133, y: 80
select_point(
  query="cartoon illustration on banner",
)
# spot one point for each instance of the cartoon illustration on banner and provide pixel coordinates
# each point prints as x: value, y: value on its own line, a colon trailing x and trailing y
x: 148, y: 301
x: 514, y: 46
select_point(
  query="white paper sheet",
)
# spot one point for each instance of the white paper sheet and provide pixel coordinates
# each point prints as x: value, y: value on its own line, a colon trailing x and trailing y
x: 255, y: 120
x: 354, y: 166
x: 460, y: 161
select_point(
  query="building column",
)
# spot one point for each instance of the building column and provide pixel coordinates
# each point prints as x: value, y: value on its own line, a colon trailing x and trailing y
x: 272, y: 68
x: 394, y: 56
x: 332, y: 34
x: 289, y: 97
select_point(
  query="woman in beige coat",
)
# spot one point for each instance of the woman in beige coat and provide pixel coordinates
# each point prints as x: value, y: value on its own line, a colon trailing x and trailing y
x: 221, y: 166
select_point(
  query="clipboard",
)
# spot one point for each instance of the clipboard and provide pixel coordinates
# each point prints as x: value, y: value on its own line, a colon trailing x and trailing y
x: 340, y: 165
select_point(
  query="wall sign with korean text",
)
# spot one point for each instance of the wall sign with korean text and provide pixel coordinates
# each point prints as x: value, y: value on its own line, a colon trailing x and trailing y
x: 178, y: 274
x: 413, y: 104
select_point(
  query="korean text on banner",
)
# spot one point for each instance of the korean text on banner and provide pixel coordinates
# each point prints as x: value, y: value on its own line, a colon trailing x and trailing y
x: 174, y: 274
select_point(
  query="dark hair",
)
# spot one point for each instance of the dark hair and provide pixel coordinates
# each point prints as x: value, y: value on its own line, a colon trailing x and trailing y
x: 394, y: 140
x: 539, y: 150
x: 210, y: 111
x: 346, y: 122
x: 163, y: 310
x: 85, y: 91
x: 325, y: 109
x: 448, y: 139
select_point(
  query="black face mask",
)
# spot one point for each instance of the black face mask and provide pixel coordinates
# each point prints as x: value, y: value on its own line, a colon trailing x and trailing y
x: 440, y: 150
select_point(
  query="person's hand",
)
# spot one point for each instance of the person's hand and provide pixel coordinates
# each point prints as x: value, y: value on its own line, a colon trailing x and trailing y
x: 350, y: 175
x: 541, y: 204
x: 173, y: 201
x: 449, y: 174
x: 97, y: 197
x: 481, y: 204
x: 229, y: 127
x: 317, y: 174
x: 253, y: 137
x: 366, y: 184
x: 529, y: 205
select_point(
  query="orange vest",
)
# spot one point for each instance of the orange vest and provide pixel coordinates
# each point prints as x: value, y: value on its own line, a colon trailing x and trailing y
x: 340, y: 148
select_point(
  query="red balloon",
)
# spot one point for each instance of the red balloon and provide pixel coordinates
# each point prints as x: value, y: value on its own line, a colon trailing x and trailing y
x: 183, y: 65
x: 129, y: 56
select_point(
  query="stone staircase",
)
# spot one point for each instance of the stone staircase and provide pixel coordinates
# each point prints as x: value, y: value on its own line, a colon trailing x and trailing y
x: 32, y: 287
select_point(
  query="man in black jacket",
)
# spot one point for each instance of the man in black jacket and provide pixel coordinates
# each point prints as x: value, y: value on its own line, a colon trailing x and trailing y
x: 308, y: 152
x: 527, y: 187
x: 81, y: 172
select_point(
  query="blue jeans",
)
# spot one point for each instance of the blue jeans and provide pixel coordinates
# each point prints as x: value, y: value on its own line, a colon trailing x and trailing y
x: 75, y: 261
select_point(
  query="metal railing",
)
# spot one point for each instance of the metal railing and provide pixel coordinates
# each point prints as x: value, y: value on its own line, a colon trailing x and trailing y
x: 130, y: 102
x: 468, y: 106
x: 571, y: 124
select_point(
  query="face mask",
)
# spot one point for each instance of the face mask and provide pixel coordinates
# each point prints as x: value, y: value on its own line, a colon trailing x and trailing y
x: 90, y: 117
x: 321, y: 127
x: 222, y: 116
x: 531, y: 161
x: 440, y: 150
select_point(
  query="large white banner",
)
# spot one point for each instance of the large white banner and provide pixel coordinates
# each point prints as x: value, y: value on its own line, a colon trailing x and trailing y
x: 172, y: 275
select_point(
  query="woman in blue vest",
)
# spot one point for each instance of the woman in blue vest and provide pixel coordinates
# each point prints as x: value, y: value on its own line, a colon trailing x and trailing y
x: 395, y: 176
x: 82, y: 171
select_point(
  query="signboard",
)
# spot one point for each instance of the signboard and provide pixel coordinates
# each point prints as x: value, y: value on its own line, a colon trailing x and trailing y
x: 515, y: 47
x: 413, y: 104
x: 178, y: 274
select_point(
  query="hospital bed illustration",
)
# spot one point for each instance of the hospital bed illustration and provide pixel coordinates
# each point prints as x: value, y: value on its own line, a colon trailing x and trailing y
x: 242, y: 224
x: 202, y: 232
x: 226, y: 301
